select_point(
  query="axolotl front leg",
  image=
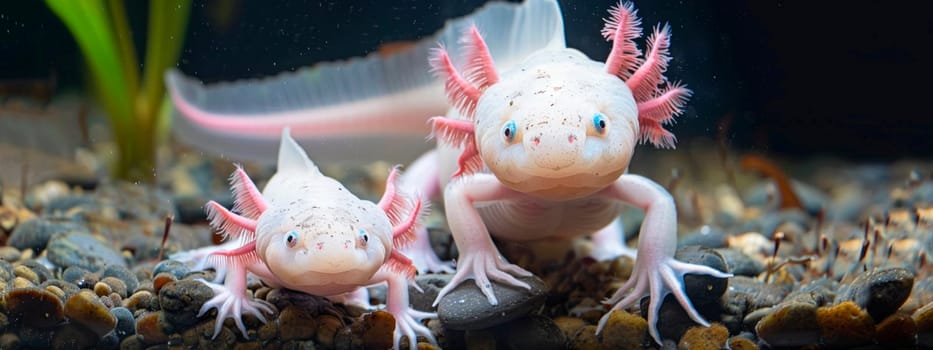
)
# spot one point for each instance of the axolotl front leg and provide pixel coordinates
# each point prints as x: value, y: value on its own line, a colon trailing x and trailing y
x: 656, y: 272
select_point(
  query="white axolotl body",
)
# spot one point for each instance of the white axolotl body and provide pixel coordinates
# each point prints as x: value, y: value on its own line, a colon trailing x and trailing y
x: 543, y: 153
x: 307, y: 232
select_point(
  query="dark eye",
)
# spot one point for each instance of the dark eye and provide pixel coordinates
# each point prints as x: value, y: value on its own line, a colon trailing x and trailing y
x: 364, y: 237
x: 599, y: 122
x: 509, y: 131
x: 291, y: 239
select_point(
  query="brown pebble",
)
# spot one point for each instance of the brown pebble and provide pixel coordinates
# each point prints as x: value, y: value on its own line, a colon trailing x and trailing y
x: 20, y: 283
x: 149, y: 329
x: 102, y: 289
x: 57, y: 291
x: 377, y: 330
x: 116, y: 285
x: 791, y: 324
x: 327, y: 328
x: 585, y: 338
x: 9, y: 341
x: 296, y: 323
x: 569, y: 325
x: 623, y: 331
x: 897, y: 330
x: 27, y: 273
x: 845, y: 325
x: 73, y: 336
x: 262, y: 292
x: 86, y: 309
x: 137, y: 301
x: 36, y: 307
x: 704, y: 338
x: 161, y: 280
x: 27, y: 254
x: 252, y: 345
x: 117, y: 299
x: 740, y: 343
x: 267, y: 331
x: 480, y: 339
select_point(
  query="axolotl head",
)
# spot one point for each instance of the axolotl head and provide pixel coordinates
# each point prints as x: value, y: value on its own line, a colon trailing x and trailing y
x: 558, y: 126
x: 323, y: 243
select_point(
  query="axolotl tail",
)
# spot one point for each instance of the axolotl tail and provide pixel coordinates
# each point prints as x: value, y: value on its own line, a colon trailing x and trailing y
x: 366, y: 108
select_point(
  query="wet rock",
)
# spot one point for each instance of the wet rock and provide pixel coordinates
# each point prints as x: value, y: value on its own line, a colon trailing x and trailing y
x: 702, y: 338
x: 327, y: 328
x: 585, y: 338
x: 880, y: 292
x: 757, y: 293
x: 923, y: 318
x: 40, y: 270
x: 82, y: 250
x: 706, y: 236
x: 533, y: 332
x: 173, y: 267
x: 431, y: 284
x: 67, y: 288
x: 297, y: 323
x: 26, y: 273
x: 466, y: 308
x: 896, y: 331
x: 149, y: 329
x: 86, y: 309
x: 35, y: 233
x: 740, y: 264
x: 790, y: 324
x: 376, y: 330
x: 740, y: 343
x: 624, y: 331
x: 845, y: 325
x: 126, y: 323
x: 73, y: 336
x: 9, y: 341
x: 140, y: 300
x: 6, y: 271
x: 35, y: 338
x: 181, y: 301
x: 568, y: 325
x: 116, y: 285
x: 10, y: 254
x: 123, y: 274
x: 136, y: 201
x: 79, y: 276
x: 34, y: 307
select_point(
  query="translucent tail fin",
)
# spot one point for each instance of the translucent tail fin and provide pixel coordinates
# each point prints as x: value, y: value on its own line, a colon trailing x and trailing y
x: 364, y: 109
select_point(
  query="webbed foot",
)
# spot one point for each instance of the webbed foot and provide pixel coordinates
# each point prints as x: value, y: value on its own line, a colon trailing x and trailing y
x: 481, y: 266
x: 233, y: 304
x: 656, y: 279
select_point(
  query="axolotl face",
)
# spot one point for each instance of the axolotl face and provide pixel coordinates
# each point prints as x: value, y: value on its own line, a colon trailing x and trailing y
x: 320, y: 246
x: 558, y: 126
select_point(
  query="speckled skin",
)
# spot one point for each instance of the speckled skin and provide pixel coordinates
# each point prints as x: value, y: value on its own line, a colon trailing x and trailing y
x: 555, y: 136
x: 311, y: 235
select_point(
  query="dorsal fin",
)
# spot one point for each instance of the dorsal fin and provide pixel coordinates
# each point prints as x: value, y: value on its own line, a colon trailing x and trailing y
x: 292, y: 158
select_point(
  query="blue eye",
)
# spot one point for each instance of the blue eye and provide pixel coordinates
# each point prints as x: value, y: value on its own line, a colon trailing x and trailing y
x: 599, y: 122
x: 291, y: 239
x: 509, y: 131
x: 363, y: 237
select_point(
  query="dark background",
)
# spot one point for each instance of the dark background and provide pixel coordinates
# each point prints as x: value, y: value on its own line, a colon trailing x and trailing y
x: 796, y: 78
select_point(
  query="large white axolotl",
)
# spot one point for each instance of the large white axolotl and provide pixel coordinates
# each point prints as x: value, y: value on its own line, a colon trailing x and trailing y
x: 543, y: 153
x: 306, y: 232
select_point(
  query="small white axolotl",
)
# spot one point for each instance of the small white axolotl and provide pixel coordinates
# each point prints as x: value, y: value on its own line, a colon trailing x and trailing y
x: 306, y: 232
x: 542, y: 152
